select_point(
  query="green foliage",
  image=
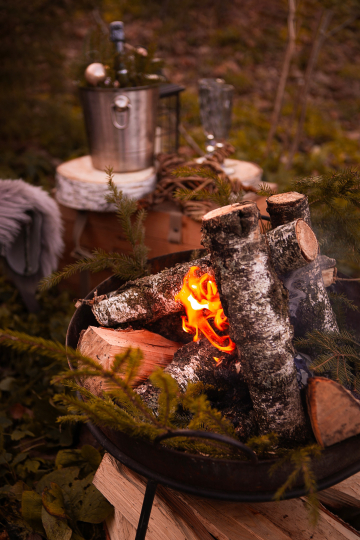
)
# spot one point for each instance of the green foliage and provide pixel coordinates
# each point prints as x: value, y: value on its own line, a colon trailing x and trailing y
x: 301, y: 458
x: 265, y: 446
x: 334, y: 200
x: 338, y: 353
x: 341, y: 304
x: 221, y: 196
x: 124, y: 266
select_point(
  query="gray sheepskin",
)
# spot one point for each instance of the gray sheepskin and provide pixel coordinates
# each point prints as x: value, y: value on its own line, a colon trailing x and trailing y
x: 17, y: 197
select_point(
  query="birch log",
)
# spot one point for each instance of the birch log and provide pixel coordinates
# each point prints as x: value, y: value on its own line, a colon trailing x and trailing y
x: 286, y: 207
x: 292, y: 246
x: 255, y: 303
x: 309, y: 304
x: 148, y: 298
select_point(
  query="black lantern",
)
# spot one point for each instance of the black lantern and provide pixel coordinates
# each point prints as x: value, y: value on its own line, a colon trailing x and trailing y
x: 168, y: 119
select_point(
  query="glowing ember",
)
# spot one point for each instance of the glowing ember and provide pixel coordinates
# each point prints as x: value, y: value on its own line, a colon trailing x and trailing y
x: 200, y: 297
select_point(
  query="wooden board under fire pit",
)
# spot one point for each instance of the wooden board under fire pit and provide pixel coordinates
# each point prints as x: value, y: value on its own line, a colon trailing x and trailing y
x: 180, y: 516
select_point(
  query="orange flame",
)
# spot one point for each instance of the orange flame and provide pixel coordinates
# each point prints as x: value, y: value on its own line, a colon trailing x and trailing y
x: 200, y: 297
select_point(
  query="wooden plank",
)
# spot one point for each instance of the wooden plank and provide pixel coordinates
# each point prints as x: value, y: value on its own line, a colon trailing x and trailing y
x: 292, y: 517
x: 122, y: 489
x: 285, y: 520
x: 234, y: 521
x: 120, y: 528
x: 351, y: 486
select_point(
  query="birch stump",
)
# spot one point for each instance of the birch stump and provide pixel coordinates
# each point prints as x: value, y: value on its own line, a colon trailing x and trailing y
x: 309, y: 304
x: 255, y: 303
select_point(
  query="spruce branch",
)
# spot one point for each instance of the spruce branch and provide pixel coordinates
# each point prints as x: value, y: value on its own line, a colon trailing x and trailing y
x: 223, y: 194
x: 265, y: 190
x: 300, y: 458
x: 337, y: 353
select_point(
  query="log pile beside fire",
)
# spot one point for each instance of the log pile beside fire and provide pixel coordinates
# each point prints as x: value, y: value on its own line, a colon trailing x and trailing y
x: 228, y: 319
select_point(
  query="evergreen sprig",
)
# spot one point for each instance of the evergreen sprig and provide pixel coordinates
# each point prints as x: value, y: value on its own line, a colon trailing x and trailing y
x: 123, y: 266
x: 334, y: 199
x: 119, y: 407
x: 301, y: 459
x: 266, y: 191
x: 338, y: 354
x: 222, y: 195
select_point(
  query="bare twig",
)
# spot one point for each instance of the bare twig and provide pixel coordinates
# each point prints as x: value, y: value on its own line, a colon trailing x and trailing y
x: 320, y: 37
x: 284, y: 74
x: 188, y: 138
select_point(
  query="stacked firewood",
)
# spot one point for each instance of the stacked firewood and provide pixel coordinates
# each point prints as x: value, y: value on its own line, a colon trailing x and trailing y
x: 271, y: 288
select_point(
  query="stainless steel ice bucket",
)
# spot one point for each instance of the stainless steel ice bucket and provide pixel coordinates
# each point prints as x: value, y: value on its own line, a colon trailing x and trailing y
x: 120, y: 125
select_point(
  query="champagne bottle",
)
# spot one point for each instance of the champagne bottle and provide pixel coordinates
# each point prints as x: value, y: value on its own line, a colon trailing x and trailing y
x: 117, y: 36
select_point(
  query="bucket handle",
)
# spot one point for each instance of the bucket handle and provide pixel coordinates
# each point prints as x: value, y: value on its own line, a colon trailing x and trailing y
x: 121, y: 105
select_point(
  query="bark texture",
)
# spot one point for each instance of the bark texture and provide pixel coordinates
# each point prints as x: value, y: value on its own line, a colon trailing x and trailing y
x: 286, y: 207
x: 255, y: 303
x: 147, y: 299
x: 309, y: 304
x: 226, y: 387
x: 292, y: 246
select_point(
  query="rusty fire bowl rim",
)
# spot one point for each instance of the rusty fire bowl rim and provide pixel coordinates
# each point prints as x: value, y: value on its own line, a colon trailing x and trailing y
x: 215, y: 478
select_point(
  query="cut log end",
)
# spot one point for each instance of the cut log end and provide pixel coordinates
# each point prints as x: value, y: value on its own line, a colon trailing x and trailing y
x: 307, y: 241
x: 218, y: 212
x: 289, y: 198
x: 286, y: 207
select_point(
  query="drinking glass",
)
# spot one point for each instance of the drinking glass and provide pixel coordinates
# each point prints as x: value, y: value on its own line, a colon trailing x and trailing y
x: 215, y: 99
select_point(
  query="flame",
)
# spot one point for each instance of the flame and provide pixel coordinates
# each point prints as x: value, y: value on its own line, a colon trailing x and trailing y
x: 200, y: 297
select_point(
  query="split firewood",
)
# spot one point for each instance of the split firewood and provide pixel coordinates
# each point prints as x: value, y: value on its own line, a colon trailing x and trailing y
x: 146, y: 299
x: 334, y: 412
x: 309, y: 304
x: 256, y: 304
x: 103, y: 344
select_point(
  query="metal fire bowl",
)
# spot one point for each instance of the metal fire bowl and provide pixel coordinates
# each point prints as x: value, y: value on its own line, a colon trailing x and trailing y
x: 222, y: 479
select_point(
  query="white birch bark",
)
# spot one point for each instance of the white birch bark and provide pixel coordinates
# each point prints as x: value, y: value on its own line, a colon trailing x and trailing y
x: 255, y: 303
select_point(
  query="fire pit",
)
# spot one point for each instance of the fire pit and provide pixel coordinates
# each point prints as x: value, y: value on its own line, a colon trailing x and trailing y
x: 234, y: 480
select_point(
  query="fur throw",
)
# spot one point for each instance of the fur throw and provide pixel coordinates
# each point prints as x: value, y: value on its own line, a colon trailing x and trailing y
x: 16, y: 198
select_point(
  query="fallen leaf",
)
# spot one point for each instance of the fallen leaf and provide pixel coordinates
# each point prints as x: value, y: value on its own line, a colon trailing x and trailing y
x: 53, y: 501
x: 55, y: 528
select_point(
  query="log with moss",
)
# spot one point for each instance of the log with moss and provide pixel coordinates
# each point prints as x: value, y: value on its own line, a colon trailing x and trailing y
x: 256, y: 304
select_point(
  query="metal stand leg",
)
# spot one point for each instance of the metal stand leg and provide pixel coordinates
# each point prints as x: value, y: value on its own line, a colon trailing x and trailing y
x: 146, y: 510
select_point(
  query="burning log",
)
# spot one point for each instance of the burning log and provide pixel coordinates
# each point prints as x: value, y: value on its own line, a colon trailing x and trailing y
x: 103, y: 344
x: 146, y: 299
x: 309, y: 304
x: 255, y: 303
